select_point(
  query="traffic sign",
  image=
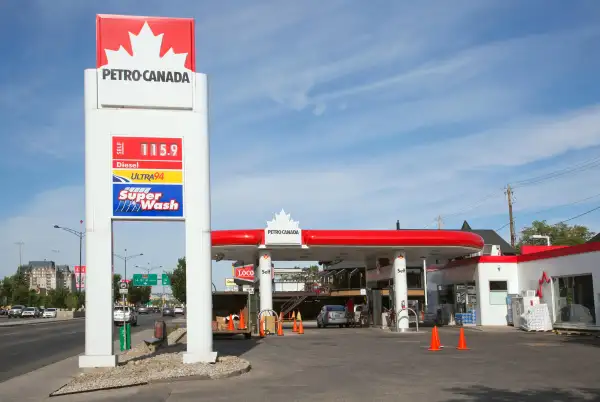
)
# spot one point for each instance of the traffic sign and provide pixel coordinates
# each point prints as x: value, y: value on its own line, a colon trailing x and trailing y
x: 123, y: 285
x: 123, y: 291
x: 166, y: 280
x: 145, y: 279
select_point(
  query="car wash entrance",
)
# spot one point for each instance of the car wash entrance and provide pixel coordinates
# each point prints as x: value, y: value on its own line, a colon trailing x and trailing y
x: 390, y: 260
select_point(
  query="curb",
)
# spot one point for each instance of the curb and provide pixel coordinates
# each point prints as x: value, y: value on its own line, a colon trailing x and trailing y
x: 87, y: 391
x: 21, y: 324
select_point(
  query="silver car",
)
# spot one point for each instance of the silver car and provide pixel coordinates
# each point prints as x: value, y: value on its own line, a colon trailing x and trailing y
x: 332, y: 315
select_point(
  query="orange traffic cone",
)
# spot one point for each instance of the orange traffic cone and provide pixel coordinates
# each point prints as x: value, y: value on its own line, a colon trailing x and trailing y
x: 280, y: 329
x: 242, y: 322
x: 261, y: 328
x: 230, y: 326
x: 437, y: 337
x: 300, y: 328
x: 435, y: 341
x: 295, y: 325
x: 462, y: 342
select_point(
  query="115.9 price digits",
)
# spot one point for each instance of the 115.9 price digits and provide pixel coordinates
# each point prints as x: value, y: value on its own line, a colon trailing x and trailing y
x: 159, y: 149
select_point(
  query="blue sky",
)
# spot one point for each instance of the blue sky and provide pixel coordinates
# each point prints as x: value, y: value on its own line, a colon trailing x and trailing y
x: 346, y: 115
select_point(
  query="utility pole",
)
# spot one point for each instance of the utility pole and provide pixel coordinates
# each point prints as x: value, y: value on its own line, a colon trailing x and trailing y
x: 440, y: 222
x: 20, y: 244
x: 509, y: 196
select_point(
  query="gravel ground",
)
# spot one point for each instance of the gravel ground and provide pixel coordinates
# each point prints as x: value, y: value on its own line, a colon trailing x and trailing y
x: 139, y: 366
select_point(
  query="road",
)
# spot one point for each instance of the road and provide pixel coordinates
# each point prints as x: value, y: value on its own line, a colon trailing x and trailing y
x: 25, y: 348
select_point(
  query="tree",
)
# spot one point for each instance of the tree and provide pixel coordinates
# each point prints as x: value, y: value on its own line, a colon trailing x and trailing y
x: 178, y: 281
x: 72, y: 301
x: 560, y: 234
x: 116, y: 280
x: 139, y: 294
x: 57, y: 298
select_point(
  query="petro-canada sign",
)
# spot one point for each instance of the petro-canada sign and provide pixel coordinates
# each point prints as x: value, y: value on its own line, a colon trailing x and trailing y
x: 145, y: 62
x: 283, y: 231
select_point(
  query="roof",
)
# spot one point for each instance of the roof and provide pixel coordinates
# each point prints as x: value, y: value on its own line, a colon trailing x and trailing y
x: 490, y: 237
x: 594, y: 239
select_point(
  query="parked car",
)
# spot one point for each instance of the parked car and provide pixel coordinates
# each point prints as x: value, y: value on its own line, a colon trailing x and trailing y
x: 31, y: 312
x: 332, y: 315
x: 3, y: 311
x: 16, y: 311
x: 50, y: 313
x: 168, y: 311
x: 125, y: 314
x: 143, y: 310
x: 179, y: 310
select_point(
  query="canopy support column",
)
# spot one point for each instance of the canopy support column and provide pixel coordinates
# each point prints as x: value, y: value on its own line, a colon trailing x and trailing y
x: 400, y: 292
x: 425, y: 284
x: 266, y: 284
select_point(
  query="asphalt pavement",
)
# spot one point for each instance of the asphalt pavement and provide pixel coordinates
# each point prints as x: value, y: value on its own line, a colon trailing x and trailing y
x: 25, y: 348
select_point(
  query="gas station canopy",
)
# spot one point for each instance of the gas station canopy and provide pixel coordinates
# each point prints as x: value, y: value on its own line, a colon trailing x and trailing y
x: 348, y: 245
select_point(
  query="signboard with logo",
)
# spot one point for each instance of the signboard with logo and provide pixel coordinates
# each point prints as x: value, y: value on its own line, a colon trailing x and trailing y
x: 145, y: 62
x: 283, y: 231
x: 145, y: 109
x: 79, y: 277
x: 246, y: 273
x: 147, y: 176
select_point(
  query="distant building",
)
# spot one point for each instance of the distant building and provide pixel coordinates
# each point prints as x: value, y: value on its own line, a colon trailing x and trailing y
x: 46, y: 275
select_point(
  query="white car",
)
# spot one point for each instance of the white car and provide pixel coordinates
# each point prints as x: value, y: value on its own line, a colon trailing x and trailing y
x: 179, y: 310
x: 125, y: 315
x: 49, y: 313
x: 31, y: 312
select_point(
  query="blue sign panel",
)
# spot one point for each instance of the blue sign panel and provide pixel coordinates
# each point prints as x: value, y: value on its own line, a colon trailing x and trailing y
x: 137, y: 201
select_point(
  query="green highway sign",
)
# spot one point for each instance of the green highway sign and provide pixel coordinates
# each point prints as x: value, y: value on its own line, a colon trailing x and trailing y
x: 166, y: 280
x: 145, y: 279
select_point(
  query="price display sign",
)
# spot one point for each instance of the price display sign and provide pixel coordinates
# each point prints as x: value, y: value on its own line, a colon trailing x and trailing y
x: 147, y: 176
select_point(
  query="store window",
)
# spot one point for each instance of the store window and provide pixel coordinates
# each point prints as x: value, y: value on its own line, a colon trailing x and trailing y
x: 498, y: 292
x: 575, y: 299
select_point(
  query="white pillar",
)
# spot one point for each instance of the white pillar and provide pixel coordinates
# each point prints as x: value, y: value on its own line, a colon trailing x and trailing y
x: 425, y: 283
x: 400, y: 291
x: 266, y: 284
x: 198, y: 242
x: 98, y: 239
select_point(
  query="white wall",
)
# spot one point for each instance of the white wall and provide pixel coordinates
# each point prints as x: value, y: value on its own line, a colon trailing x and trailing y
x: 488, y: 314
x: 530, y: 272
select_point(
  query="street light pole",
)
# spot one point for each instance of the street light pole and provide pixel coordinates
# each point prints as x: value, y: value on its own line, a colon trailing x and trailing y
x: 80, y: 234
x: 20, y: 244
x: 127, y: 258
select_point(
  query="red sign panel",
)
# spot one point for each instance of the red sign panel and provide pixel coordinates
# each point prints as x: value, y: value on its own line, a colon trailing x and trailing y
x: 147, y: 149
x: 115, y: 32
x: 246, y: 273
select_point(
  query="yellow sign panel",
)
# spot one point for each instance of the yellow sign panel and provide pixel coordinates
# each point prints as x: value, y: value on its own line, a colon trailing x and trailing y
x: 149, y: 176
x: 229, y: 282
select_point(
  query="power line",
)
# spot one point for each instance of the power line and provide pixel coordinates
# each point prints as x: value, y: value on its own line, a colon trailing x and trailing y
x: 551, y: 208
x: 589, y: 164
x: 578, y: 216
x: 580, y: 167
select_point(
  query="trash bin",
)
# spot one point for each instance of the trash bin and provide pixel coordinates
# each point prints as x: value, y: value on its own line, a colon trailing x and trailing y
x: 160, y: 329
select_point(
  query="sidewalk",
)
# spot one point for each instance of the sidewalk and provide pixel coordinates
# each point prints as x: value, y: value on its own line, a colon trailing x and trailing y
x: 14, y: 322
x: 37, y: 385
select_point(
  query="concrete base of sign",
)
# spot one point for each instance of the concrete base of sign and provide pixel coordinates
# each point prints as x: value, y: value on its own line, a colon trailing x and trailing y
x: 190, y: 358
x: 87, y: 361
